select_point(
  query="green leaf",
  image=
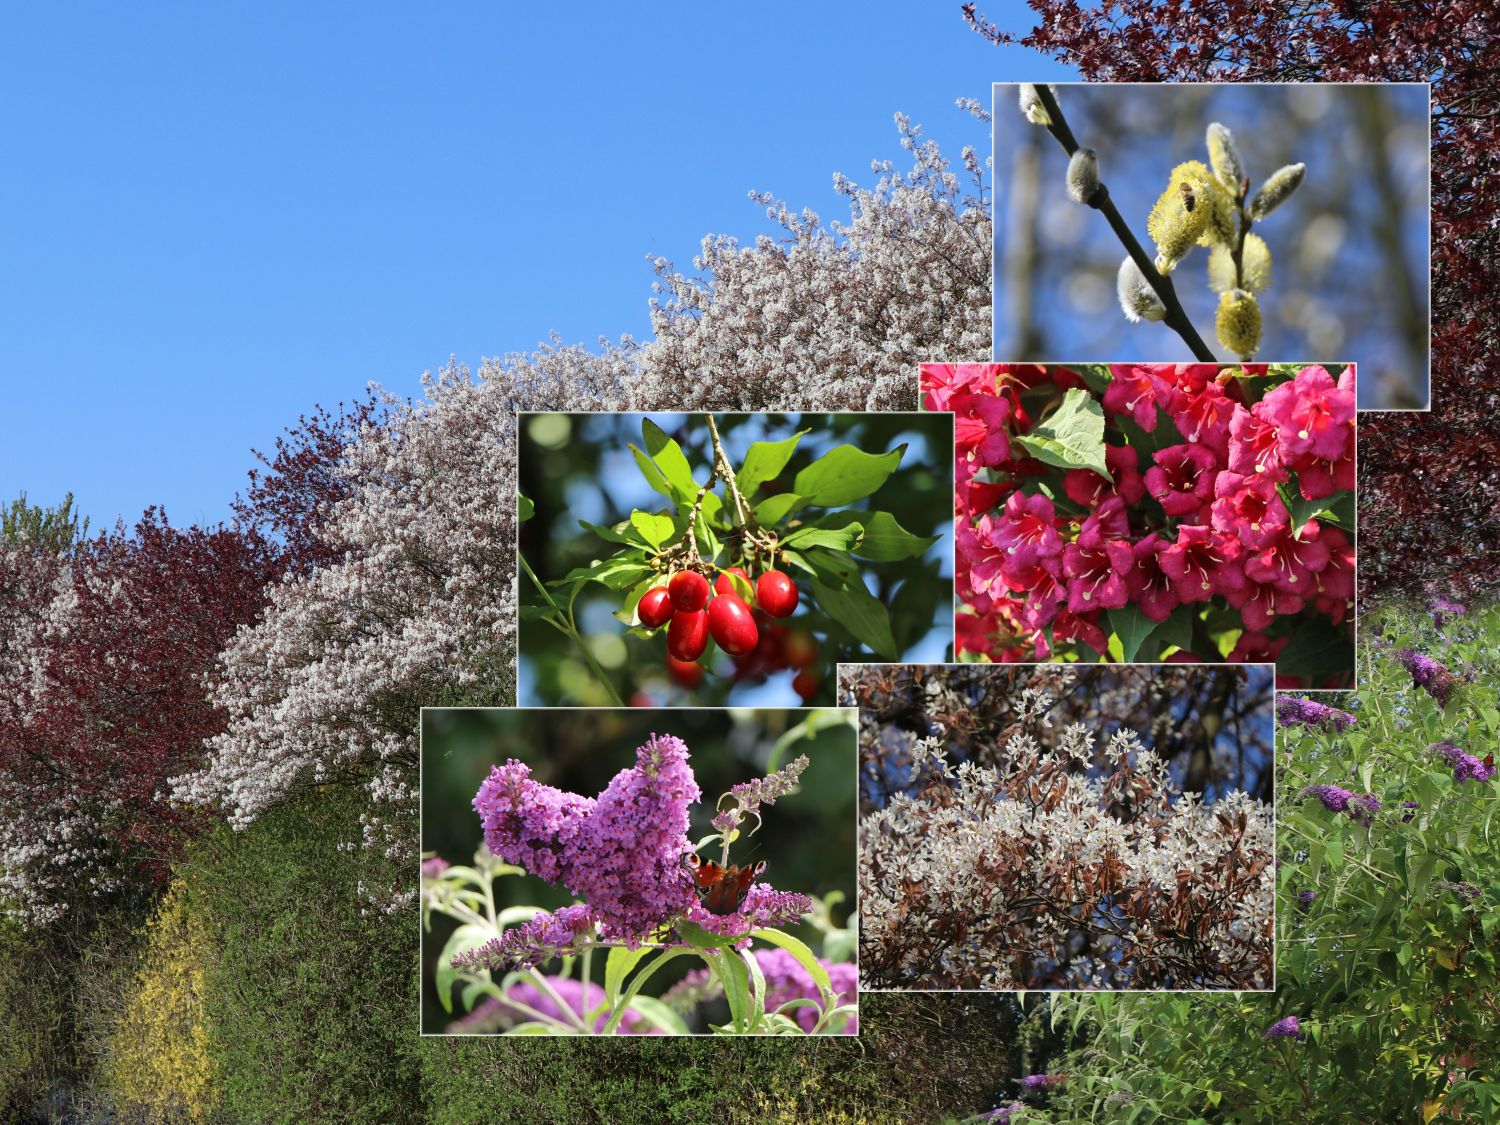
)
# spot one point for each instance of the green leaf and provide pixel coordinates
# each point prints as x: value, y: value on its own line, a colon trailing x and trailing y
x: 833, y: 538
x: 774, y: 509
x: 859, y: 611
x: 1177, y: 630
x: 1132, y: 627
x: 886, y: 540
x: 669, y: 458
x: 798, y: 949
x: 1096, y: 376
x: 621, y: 961
x: 735, y: 978
x: 764, y: 460
x: 845, y: 474
x: 1301, y: 509
x: 629, y: 536
x: 834, y: 568
x: 527, y: 509
x: 658, y: 1013
x: 655, y: 530
x: 1071, y: 437
x: 466, y: 937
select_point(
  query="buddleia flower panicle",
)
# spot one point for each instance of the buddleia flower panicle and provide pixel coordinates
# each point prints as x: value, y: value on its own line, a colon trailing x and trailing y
x: 1181, y: 215
x: 1083, y: 175
x: 1288, y: 1028
x: 1276, y: 191
x: 1428, y: 674
x: 1224, y: 156
x: 1466, y: 767
x: 1238, y: 322
x: 1137, y: 299
x: 1442, y: 608
x: 1031, y: 105
x: 749, y: 796
x: 1294, y: 710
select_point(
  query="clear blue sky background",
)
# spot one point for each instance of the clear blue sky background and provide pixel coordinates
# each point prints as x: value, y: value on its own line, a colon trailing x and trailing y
x: 215, y: 218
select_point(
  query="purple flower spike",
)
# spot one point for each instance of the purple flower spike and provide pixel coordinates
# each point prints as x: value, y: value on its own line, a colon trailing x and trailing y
x: 1427, y: 674
x: 434, y: 866
x: 762, y: 907
x: 1335, y: 799
x: 1466, y: 767
x: 1305, y: 899
x: 1444, y: 608
x: 532, y: 943
x: 1411, y: 813
x: 528, y: 823
x: 1292, y: 709
x: 1289, y: 1028
x: 1000, y: 1115
x: 1042, y: 1081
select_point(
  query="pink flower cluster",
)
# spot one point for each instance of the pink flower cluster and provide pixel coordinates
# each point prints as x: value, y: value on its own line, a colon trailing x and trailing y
x: 1041, y: 547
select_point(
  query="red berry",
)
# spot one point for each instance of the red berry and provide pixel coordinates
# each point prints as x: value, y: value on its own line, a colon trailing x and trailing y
x: 776, y: 593
x: 641, y: 699
x: 725, y: 585
x: 806, y: 684
x: 655, y: 607
x: 731, y: 624
x: 688, y: 673
x: 801, y: 649
x: 689, y: 590
x: 687, y: 634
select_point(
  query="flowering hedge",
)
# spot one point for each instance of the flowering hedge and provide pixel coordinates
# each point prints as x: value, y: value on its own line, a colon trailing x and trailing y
x: 1387, y: 1002
x: 1154, y: 512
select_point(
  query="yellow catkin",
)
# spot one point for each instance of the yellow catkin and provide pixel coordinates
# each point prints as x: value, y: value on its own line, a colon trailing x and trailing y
x: 1255, y: 267
x: 1182, y: 213
x: 158, y: 1060
x: 1238, y: 322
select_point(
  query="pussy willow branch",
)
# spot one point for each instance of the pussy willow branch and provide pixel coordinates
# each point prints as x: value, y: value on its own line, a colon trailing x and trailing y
x: 1177, y: 317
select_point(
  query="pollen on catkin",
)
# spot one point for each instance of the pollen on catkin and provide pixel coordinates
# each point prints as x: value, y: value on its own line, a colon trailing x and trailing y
x: 1254, y: 273
x: 1138, y: 300
x: 1181, y: 214
x: 1277, y: 190
x: 1083, y: 175
x: 1238, y: 322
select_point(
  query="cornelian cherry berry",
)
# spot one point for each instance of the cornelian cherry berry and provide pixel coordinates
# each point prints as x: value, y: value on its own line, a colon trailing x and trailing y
x: 806, y: 683
x: 776, y: 593
x: 732, y: 626
x: 688, y: 673
x: 801, y: 650
x: 687, y: 633
x: 725, y: 585
x: 655, y: 607
x: 689, y: 591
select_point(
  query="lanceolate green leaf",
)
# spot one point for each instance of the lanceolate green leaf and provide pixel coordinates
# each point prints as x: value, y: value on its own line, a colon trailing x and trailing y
x: 859, y: 611
x: 774, y: 509
x: 845, y: 474
x: 1132, y: 627
x: 669, y: 458
x: 1071, y: 437
x: 886, y: 540
x: 764, y: 460
x: 834, y: 538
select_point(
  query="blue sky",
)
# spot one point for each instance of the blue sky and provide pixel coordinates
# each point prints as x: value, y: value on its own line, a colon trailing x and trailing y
x: 219, y: 217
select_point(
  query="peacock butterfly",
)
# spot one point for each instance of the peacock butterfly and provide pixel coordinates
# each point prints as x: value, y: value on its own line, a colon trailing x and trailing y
x: 1489, y: 761
x: 722, y: 889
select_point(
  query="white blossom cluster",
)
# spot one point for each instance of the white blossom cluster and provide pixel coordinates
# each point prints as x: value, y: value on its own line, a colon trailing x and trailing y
x: 1038, y: 875
x: 420, y: 610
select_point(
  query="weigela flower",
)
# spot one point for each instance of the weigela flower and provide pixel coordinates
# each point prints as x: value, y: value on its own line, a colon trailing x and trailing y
x: 1260, y: 603
x: 1202, y: 564
x: 1289, y: 558
x: 1028, y: 531
x: 1312, y: 415
x: 1202, y: 415
x: 1255, y: 448
x: 1096, y: 574
x: 1257, y: 648
x: 1248, y: 507
x: 1182, y: 478
x: 1150, y: 587
x: 1288, y: 1028
x: 1137, y: 390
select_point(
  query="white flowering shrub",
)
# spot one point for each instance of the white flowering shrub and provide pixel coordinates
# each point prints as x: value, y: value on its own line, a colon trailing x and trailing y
x: 1037, y: 852
x: 419, y: 607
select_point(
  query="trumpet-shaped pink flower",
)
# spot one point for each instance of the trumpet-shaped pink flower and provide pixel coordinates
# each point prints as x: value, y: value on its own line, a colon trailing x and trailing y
x: 1247, y: 507
x: 1096, y: 575
x: 1028, y: 530
x: 1182, y: 479
x: 1202, y: 563
x: 1289, y: 562
x: 1136, y: 390
x: 1312, y: 415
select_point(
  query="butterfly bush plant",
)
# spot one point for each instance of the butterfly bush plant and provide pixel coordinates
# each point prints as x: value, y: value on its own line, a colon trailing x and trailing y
x: 1203, y: 205
x: 1186, y: 512
x: 734, y: 552
x: 1030, y: 851
x: 647, y: 895
x: 1387, y: 1002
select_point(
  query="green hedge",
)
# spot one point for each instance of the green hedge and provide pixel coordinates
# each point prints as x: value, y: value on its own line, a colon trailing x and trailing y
x: 312, y: 1005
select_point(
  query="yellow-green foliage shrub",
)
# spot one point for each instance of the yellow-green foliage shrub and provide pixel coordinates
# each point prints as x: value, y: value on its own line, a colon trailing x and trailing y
x: 158, y: 1061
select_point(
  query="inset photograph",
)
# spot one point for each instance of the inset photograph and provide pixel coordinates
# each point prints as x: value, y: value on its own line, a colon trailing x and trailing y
x: 638, y: 872
x: 686, y: 559
x: 1048, y: 827
x: 1155, y: 512
x: 1194, y: 221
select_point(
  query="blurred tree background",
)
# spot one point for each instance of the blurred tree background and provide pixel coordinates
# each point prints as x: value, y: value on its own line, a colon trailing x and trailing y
x: 808, y: 838
x: 579, y: 467
x: 1350, y: 248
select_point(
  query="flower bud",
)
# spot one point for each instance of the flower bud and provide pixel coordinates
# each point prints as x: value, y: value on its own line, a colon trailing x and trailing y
x: 1083, y: 175
x: 1238, y: 322
x: 1137, y: 298
x: 1032, y: 107
x: 1254, y: 273
x: 1275, y: 191
x: 1180, y: 215
x: 1224, y: 156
